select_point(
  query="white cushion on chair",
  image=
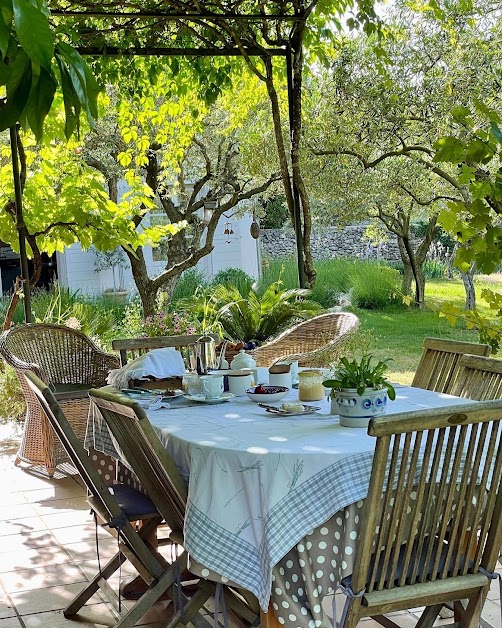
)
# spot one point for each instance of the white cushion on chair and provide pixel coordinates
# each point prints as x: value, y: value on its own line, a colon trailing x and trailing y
x: 158, y: 363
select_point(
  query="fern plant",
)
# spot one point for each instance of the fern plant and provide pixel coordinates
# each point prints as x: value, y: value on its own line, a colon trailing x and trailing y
x: 253, y: 317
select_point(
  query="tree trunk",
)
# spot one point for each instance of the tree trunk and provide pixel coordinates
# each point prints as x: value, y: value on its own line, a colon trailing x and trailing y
x: 296, y: 133
x: 407, y: 270
x: 470, y: 291
x: 147, y: 291
x: 279, y: 139
x: 14, y: 300
x: 412, y: 271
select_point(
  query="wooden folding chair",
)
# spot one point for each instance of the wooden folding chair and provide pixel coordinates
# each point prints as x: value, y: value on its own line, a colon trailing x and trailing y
x: 438, y: 367
x: 479, y: 378
x: 142, y: 450
x: 130, y: 348
x: 431, y: 530
x: 119, y: 512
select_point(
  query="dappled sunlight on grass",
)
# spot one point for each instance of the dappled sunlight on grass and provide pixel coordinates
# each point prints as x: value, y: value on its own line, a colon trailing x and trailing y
x: 439, y: 290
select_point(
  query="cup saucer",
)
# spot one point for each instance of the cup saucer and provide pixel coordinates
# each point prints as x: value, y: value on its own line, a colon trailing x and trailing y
x: 203, y: 399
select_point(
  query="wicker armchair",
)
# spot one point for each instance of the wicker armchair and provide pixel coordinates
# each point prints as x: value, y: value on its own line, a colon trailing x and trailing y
x: 71, y: 364
x: 312, y: 342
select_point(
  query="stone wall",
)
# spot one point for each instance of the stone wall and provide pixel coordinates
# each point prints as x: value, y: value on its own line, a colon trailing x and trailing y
x: 329, y: 242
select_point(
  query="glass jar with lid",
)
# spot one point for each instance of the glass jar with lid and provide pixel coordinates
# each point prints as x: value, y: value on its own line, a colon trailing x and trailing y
x: 310, y: 386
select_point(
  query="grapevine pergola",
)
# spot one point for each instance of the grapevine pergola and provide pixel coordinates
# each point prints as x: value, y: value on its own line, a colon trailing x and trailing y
x: 258, y: 31
x: 213, y: 28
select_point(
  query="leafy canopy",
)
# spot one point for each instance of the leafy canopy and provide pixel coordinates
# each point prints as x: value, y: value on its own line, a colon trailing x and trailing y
x: 477, y: 222
x: 33, y: 63
x: 65, y: 200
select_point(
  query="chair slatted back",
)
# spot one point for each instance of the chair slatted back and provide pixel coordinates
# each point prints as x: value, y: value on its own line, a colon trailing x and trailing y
x: 310, y: 341
x: 436, y: 480
x: 140, y: 445
x: 439, y: 364
x: 100, y: 495
x: 130, y: 348
x: 479, y: 378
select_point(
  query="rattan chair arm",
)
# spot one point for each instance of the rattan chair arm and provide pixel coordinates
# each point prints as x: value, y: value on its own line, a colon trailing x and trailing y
x: 18, y: 364
x: 101, y: 364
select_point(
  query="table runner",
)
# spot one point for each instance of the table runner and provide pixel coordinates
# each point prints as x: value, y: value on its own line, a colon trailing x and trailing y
x: 259, y: 483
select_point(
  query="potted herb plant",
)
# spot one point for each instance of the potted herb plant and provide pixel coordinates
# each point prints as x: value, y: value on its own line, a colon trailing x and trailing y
x: 359, y: 390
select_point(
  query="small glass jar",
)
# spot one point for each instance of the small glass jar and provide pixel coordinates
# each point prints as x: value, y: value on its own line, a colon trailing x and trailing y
x: 310, y: 386
x: 192, y: 385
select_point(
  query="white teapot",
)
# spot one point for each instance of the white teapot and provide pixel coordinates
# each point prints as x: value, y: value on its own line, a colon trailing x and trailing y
x: 242, y: 361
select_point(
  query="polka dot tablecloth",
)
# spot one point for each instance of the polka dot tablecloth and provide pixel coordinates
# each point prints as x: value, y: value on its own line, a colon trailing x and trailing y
x: 312, y: 569
x: 309, y: 571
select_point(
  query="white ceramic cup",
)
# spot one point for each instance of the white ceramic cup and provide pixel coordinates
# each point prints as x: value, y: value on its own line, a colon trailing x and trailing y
x: 293, y: 368
x: 238, y: 383
x: 212, y: 385
x: 261, y: 375
x: 280, y: 379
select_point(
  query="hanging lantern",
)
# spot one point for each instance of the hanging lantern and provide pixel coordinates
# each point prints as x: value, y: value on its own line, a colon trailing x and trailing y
x: 208, y: 211
x: 254, y: 230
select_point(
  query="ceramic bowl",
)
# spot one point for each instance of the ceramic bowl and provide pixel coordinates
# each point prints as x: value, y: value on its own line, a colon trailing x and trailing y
x: 274, y: 393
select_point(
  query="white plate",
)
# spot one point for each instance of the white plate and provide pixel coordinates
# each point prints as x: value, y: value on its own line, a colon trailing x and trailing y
x: 279, y: 412
x: 204, y: 399
x: 177, y: 393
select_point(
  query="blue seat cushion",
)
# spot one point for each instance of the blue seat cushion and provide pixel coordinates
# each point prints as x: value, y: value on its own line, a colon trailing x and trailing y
x: 133, y: 503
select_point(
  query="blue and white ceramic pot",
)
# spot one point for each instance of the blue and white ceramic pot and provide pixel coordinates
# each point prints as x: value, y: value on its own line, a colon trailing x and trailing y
x: 356, y: 410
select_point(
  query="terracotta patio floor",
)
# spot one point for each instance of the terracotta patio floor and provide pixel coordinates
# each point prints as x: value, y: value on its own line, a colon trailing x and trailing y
x: 47, y: 552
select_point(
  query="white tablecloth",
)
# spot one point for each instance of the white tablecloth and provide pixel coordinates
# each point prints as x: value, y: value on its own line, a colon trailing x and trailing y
x: 259, y: 483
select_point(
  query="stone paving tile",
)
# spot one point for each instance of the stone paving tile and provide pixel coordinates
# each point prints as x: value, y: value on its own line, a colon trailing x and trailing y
x: 30, y: 558
x: 48, y: 599
x: 60, y: 506
x: 491, y: 613
x: 17, y: 511
x: 41, y: 577
x: 21, y: 541
x: 20, y: 526
x: 87, y: 550
x: 67, y: 519
x: 95, y: 616
x: 10, y: 622
x: 67, y: 489
x: 85, y: 533
x: 6, y: 606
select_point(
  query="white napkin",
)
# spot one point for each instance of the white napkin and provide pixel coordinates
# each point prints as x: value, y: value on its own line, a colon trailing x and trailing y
x: 159, y: 363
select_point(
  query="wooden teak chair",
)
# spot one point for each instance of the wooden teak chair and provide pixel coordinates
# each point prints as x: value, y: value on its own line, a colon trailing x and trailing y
x: 142, y: 450
x: 479, y: 378
x: 439, y: 364
x: 130, y: 348
x: 431, y: 521
x: 119, y: 511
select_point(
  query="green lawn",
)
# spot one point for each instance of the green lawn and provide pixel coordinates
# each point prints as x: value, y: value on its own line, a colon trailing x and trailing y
x: 398, y: 332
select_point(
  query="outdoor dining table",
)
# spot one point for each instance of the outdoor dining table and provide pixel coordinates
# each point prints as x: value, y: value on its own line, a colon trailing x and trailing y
x: 273, y: 502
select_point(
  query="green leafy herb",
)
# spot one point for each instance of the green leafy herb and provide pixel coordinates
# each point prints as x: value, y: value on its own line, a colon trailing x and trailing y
x: 360, y: 375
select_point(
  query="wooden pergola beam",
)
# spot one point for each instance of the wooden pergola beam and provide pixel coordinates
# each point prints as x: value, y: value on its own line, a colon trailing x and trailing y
x: 177, y: 16
x: 113, y: 51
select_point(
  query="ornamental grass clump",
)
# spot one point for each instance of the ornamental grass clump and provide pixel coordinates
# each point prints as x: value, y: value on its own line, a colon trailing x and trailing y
x: 360, y: 375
